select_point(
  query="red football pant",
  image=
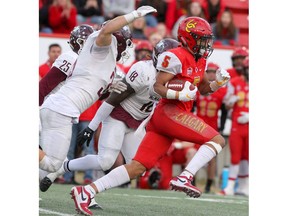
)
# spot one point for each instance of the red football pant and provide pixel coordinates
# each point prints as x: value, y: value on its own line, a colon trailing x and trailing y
x: 239, y: 143
x: 169, y: 122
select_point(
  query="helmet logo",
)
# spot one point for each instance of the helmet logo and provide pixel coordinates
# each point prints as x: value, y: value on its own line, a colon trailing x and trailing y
x: 190, y: 24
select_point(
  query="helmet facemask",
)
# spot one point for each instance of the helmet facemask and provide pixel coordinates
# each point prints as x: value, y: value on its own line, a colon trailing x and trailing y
x: 203, y: 47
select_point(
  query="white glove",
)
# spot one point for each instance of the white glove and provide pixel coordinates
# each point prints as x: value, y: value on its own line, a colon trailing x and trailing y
x: 186, y: 94
x: 232, y: 100
x: 140, y: 12
x: 118, y: 87
x: 244, y: 118
x: 222, y: 77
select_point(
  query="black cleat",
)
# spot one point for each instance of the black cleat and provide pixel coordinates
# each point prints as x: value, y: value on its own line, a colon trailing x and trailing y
x: 45, y: 183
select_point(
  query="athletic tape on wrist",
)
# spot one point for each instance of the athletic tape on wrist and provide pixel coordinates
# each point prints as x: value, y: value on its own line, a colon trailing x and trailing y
x: 214, y: 86
x: 171, y: 94
x: 131, y: 16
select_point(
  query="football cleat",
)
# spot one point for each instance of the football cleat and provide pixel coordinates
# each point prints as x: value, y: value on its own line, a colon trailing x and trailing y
x: 45, y: 183
x: 182, y: 183
x: 94, y: 205
x: 82, y: 199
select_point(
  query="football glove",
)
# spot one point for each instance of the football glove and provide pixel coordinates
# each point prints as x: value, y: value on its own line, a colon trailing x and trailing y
x: 85, y: 135
x: 244, y: 118
x: 222, y: 77
x: 118, y: 87
x: 186, y: 94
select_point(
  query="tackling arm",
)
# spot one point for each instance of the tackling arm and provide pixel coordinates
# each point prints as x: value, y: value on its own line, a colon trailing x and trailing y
x: 107, y: 106
x: 105, y: 36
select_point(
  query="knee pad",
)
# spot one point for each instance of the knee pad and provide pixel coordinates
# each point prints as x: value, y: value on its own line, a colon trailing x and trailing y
x: 106, y: 161
x: 50, y: 164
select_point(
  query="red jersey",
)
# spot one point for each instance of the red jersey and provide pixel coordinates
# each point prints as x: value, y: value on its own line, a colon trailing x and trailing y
x: 208, y: 106
x: 182, y: 64
x: 89, y: 113
x: 238, y: 86
x: 233, y: 73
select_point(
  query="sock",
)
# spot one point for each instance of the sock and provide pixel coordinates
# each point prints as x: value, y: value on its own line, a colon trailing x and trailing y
x: 61, y: 171
x: 200, y: 159
x: 84, y: 163
x: 42, y: 174
x: 116, y: 177
x: 243, y: 168
x: 91, y: 190
x: 233, y: 171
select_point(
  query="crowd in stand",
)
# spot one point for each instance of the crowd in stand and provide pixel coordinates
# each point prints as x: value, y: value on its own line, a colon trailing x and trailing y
x: 60, y: 16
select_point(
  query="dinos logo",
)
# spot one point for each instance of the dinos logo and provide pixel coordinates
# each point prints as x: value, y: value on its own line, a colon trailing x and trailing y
x: 190, y: 24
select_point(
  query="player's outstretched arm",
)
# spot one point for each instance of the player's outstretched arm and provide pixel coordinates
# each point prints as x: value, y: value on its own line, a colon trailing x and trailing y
x: 105, y: 36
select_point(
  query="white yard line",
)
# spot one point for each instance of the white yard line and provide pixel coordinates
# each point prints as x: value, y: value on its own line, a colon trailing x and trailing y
x: 54, y: 212
x: 244, y: 201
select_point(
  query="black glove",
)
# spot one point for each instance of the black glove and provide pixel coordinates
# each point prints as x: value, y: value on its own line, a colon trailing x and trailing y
x: 85, y: 135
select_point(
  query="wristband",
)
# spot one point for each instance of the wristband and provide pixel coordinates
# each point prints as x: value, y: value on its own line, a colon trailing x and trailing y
x: 131, y: 16
x: 214, y: 86
x: 171, y: 94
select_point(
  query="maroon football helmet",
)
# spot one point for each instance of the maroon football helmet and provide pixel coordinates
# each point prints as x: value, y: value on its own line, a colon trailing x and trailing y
x: 162, y: 46
x: 124, y: 40
x: 78, y: 37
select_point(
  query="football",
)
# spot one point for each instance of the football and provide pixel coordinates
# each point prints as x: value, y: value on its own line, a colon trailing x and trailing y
x: 177, y: 85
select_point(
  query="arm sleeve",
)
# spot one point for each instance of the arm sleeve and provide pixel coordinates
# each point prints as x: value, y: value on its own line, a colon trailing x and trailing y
x: 49, y: 82
x: 102, y: 113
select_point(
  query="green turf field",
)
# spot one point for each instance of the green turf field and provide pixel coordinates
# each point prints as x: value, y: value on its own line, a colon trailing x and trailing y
x: 135, y: 202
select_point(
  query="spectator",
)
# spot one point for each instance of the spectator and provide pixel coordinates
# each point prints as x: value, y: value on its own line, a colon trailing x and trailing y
x: 62, y: 16
x: 162, y: 30
x: 113, y: 8
x: 175, y: 9
x: 224, y: 30
x: 153, y: 19
x: 194, y: 8
x: 43, y: 16
x: 89, y: 11
x: 154, y: 37
x: 213, y: 9
x: 53, y: 52
x: 138, y: 28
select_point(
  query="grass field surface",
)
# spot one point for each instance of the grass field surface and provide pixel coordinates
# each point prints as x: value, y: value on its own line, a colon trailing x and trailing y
x: 135, y: 202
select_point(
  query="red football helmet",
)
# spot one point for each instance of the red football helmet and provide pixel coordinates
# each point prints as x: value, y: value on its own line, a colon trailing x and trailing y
x: 162, y: 46
x: 240, y: 52
x: 196, y: 35
x: 143, y: 50
x: 144, y: 45
x: 78, y: 37
x: 212, y: 66
x: 124, y: 40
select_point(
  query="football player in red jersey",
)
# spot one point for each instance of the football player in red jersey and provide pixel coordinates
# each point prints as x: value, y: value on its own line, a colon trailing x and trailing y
x: 238, y: 56
x: 172, y: 117
x: 238, y: 100
x: 207, y: 108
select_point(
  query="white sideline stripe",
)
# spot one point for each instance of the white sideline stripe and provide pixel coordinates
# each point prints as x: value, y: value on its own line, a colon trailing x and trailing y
x: 54, y: 212
x: 194, y: 199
